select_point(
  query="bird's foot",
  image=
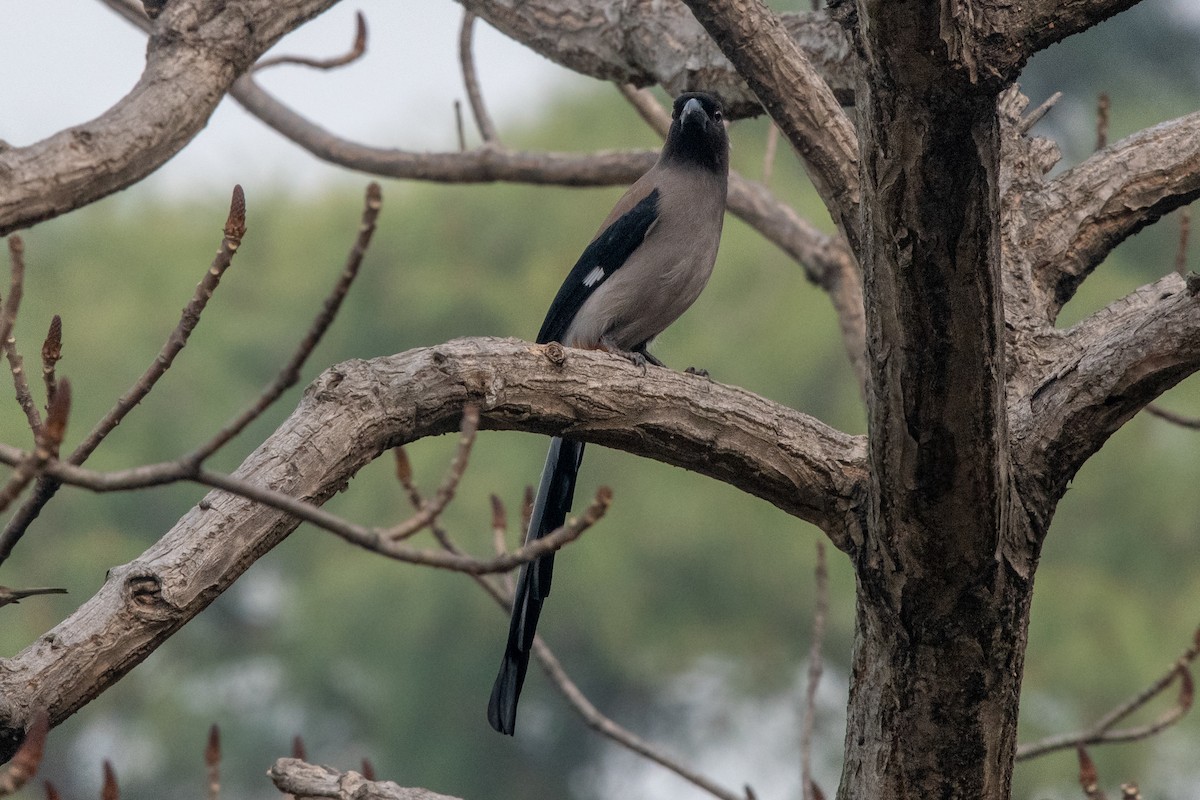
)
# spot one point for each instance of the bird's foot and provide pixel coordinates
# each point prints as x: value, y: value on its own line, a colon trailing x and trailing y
x: 639, y: 357
x: 699, y: 372
x: 650, y: 358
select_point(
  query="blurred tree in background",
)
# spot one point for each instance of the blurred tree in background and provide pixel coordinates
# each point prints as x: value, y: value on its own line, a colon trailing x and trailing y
x: 688, y: 607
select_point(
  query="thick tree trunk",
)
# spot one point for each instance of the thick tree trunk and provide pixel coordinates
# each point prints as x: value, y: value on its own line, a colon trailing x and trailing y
x: 942, y: 617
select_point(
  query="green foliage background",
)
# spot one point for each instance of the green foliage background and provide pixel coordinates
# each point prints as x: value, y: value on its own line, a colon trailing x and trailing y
x: 364, y: 657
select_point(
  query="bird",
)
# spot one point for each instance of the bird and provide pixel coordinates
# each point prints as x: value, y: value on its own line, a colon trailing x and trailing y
x: 649, y: 261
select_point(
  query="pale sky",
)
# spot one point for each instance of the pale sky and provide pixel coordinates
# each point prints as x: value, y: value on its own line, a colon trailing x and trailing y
x: 66, y: 61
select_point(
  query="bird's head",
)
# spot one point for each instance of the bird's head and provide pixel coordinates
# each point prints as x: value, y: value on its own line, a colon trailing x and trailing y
x: 697, y: 134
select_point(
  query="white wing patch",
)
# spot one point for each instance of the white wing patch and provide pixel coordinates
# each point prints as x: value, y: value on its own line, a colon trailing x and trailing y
x: 593, y: 277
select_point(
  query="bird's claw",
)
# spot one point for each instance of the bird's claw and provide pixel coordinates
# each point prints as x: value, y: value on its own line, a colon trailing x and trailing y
x: 699, y: 372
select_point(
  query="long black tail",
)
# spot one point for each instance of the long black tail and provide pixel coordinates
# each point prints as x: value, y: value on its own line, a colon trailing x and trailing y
x: 533, y: 584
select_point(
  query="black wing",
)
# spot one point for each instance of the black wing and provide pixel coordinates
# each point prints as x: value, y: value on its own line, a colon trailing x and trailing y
x: 599, y: 261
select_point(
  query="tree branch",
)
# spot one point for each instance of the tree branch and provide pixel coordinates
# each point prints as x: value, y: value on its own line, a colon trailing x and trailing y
x: 358, y: 409
x: 800, y: 102
x: 1033, y: 26
x: 1103, y: 731
x: 358, y: 48
x: 1088, y: 210
x: 1103, y: 371
x: 299, y: 779
x: 611, y: 730
x: 815, y: 667
x: 606, y: 168
x: 466, y: 58
x: 235, y: 228
x: 648, y: 42
x: 196, y: 51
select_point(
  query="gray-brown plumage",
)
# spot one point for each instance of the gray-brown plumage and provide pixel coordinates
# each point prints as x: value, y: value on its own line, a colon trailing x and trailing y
x: 647, y: 264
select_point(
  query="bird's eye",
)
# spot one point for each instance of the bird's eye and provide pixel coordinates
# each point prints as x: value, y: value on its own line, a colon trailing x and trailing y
x: 717, y: 116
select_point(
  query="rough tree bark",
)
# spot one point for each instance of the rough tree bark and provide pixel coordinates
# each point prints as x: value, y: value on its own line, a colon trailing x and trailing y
x: 941, y: 621
x: 980, y: 411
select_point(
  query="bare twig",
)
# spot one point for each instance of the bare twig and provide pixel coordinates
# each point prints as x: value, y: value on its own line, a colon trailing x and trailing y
x: 1103, y: 731
x: 820, y: 612
x: 8, y: 595
x: 1172, y: 417
x: 24, y: 765
x: 1103, y: 105
x: 16, y: 365
x: 647, y: 107
x: 769, y: 153
x: 527, y: 508
x: 377, y: 541
x: 485, y: 164
x: 404, y: 475
x: 374, y: 539
x: 1089, y: 780
x: 290, y: 373
x: 298, y: 749
x: 466, y: 57
x: 428, y: 512
x: 48, y: 440
x: 235, y: 228
x: 499, y: 525
x: 109, y: 790
x: 458, y: 127
x: 357, y: 49
x: 8, y: 316
x: 51, y: 355
x: 368, y: 769
x: 212, y: 760
x: 606, y: 727
x: 545, y: 655
x: 1035, y: 116
x: 499, y: 542
x: 1185, y: 224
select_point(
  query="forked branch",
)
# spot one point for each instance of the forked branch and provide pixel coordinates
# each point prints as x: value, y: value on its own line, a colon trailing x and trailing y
x: 189, y: 67
x: 1090, y: 209
x: 1104, y: 730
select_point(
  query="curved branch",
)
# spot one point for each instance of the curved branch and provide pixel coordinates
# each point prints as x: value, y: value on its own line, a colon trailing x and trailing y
x: 466, y: 58
x: 647, y: 42
x: 800, y: 102
x: 357, y: 410
x: 1033, y: 26
x: 196, y: 51
x: 1107, y: 368
x: 1090, y: 209
x: 606, y: 168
